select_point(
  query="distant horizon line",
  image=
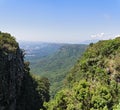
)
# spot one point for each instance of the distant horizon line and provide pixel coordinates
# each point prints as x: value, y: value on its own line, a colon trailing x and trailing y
x: 87, y: 42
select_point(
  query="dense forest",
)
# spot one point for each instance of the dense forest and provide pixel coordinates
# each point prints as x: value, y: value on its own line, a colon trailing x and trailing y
x: 92, y: 84
x: 55, y: 66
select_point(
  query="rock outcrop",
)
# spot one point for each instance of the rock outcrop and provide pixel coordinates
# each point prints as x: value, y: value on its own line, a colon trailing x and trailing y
x: 19, y: 90
x: 11, y: 72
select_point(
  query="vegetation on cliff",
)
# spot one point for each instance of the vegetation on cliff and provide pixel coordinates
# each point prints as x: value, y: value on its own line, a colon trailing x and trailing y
x: 19, y: 90
x: 94, y: 82
x: 7, y: 42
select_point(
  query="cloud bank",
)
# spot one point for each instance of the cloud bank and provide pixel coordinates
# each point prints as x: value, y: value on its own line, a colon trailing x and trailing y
x: 103, y: 36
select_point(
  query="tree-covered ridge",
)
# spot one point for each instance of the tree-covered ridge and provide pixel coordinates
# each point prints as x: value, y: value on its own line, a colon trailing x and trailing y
x: 94, y: 82
x: 56, y: 66
x: 58, y: 60
x: 102, y: 57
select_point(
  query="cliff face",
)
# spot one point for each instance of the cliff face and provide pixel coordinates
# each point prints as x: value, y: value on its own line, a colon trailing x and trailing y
x: 19, y: 90
x: 11, y: 73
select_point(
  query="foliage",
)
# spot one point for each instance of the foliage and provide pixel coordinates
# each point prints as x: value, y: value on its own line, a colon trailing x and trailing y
x: 7, y: 42
x: 117, y: 107
x: 56, y: 66
x: 94, y: 81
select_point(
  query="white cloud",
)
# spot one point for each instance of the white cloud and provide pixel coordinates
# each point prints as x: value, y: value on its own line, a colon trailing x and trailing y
x: 103, y: 36
x: 100, y: 35
x: 117, y: 35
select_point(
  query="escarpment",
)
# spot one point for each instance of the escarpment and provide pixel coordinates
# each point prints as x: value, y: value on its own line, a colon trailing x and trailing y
x: 19, y: 90
x: 11, y: 72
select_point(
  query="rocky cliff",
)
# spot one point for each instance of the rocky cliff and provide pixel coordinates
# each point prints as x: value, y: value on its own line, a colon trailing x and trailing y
x: 18, y: 89
x: 11, y: 72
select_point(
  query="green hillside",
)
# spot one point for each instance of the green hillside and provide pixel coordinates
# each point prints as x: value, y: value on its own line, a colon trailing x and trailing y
x: 94, y: 82
x: 56, y: 66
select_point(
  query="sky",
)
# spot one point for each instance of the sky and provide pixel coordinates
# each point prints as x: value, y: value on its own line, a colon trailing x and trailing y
x: 64, y: 21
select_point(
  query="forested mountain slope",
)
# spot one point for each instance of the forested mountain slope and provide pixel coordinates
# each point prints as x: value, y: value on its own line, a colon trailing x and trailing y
x: 60, y: 59
x: 56, y: 66
x: 94, y: 82
x: 37, y: 50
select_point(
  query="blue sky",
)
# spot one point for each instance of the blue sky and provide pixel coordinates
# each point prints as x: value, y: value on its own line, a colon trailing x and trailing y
x: 60, y: 20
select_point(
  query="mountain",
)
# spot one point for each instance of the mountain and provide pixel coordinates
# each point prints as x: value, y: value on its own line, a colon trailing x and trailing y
x: 36, y: 50
x: 90, y: 41
x: 55, y: 66
x: 94, y: 81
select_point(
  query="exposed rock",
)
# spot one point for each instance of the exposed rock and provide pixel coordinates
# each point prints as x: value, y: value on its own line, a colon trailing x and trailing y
x: 19, y: 90
x: 11, y: 76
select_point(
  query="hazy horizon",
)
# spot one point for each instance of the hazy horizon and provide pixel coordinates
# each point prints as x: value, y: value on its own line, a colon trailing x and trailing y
x: 60, y: 21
